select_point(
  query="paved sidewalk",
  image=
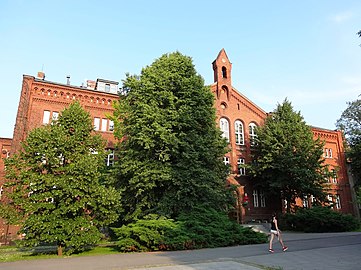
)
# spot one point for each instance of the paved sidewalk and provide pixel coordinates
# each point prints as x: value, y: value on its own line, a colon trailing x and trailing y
x: 329, y: 251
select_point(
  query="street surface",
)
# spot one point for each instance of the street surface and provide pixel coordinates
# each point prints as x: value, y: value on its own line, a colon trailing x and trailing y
x: 329, y: 251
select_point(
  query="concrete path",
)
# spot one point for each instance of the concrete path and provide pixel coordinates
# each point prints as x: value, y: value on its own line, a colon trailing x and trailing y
x: 329, y: 251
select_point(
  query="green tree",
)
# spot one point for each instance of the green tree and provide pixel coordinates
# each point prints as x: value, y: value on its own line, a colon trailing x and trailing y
x: 350, y: 124
x: 171, y: 157
x: 55, y: 184
x: 288, y: 162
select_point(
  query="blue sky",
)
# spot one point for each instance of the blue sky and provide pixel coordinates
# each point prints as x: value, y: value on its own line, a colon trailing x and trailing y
x: 306, y: 51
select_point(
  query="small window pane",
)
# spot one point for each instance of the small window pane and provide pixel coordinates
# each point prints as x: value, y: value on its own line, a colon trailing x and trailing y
x: 96, y: 123
x: 104, y: 124
x: 46, y: 117
x: 55, y: 116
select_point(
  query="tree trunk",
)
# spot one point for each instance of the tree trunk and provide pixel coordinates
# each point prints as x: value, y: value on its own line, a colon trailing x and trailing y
x: 60, y: 250
x: 6, y: 234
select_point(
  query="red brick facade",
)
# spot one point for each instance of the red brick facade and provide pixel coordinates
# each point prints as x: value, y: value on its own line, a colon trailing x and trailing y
x: 41, y: 99
x: 235, y: 109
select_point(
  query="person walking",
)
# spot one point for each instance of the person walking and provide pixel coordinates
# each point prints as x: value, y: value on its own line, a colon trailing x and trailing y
x: 275, y: 231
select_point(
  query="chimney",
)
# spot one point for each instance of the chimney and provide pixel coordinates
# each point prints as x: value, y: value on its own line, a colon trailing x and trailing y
x: 41, y: 75
x: 68, y: 80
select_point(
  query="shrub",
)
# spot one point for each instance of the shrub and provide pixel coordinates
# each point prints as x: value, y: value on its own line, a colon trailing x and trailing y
x: 211, y: 228
x: 149, y: 234
x: 199, y: 228
x: 319, y: 219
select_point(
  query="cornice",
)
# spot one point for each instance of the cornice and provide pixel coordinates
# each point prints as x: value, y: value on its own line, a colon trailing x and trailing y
x: 325, y: 135
x: 49, y: 86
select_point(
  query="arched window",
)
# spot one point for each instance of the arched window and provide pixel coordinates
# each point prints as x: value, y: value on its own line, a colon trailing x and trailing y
x: 224, y: 72
x: 252, y: 133
x: 224, y: 126
x: 238, y: 129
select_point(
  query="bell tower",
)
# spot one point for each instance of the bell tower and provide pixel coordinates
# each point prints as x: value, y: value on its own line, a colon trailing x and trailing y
x: 222, y: 68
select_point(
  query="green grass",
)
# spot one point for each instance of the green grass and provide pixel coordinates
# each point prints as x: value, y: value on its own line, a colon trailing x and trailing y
x: 11, y: 254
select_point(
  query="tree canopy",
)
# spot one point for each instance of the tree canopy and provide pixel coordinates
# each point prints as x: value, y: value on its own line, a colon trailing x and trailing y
x: 350, y: 124
x: 55, y: 183
x: 170, y: 158
x: 288, y: 162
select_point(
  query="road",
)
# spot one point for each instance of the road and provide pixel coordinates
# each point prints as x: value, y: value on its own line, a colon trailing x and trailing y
x: 329, y: 251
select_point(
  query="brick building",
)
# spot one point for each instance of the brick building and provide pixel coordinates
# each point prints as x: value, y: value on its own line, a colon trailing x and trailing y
x: 238, y: 117
x: 42, y: 100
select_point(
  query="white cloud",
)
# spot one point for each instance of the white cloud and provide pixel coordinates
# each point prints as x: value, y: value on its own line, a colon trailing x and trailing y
x: 341, y: 17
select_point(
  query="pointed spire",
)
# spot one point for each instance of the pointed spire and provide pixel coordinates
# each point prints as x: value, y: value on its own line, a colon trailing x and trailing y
x: 222, y: 68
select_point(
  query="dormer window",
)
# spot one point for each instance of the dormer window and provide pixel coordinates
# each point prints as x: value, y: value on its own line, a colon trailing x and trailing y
x: 107, y: 87
x: 224, y: 72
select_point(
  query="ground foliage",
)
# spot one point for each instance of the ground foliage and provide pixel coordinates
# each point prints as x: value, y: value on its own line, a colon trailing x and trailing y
x: 55, y: 186
x: 287, y: 161
x: 319, y: 219
x: 170, y: 157
x: 199, y: 228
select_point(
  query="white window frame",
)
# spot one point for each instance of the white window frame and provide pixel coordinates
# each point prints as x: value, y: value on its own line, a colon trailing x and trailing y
x: 252, y: 133
x: 224, y: 126
x: 329, y: 198
x: 262, y: 198
x: 96, y: 123
x: 46, y: 117
x: 1, y: 192
x: 111, y: 125
x: 239, y: 132
x: 338, y: 202
x: 305, y: 202
x: 104, y: 126
x: 255, y: 198
x: 226, y: 160
x: 334, y: 176
x: 55, y: 116
x: 241, y: 169
x: 110, y: 158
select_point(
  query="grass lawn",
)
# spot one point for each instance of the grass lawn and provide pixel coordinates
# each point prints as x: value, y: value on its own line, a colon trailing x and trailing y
x: 11, y: 253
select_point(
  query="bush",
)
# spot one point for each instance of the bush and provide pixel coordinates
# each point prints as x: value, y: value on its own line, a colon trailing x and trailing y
x: 200, y: 228
x: 149, y: 234
x: 319, y: 219
x: 211, y: 228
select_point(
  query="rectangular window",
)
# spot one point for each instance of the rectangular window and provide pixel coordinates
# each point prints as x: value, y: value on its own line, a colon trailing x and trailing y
x: 107, y: 87
x: 338, y: 202
x: 329, y: 198
x: 104, y: 124
x: 255, y: 198
x: 46, y: 117
x: 1, y: 192
x: 96, y: 123
x: 263, y: 198
x: 111, y: 125
x: 241, y: 168
x: 226, y: 160
x: 55, y: 116
x: 334, y: 176
x: 110, y: 158
x: 313, y: 200
x: 305, y: 202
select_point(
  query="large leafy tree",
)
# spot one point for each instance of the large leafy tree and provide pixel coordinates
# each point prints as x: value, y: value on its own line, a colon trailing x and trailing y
x: 170, y: 158
x: 55, y: 184
x: 288, y: 162
x: 350, y: 124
